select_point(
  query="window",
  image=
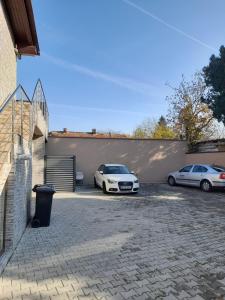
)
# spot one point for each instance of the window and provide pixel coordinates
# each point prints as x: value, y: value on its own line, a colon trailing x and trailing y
x: 116, y: 170
x: 199, y: 169
x: 218, y: 168
x: 186, y: 169
x: 101, y: 168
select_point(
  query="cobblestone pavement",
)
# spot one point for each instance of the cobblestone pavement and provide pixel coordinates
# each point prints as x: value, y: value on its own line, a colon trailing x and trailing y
x: 165, y: 243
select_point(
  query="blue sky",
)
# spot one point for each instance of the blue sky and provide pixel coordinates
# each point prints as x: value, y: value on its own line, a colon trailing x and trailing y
x: 105, y: 63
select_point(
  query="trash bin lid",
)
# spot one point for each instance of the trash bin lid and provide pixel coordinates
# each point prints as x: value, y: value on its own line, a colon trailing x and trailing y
x: 44, y: 188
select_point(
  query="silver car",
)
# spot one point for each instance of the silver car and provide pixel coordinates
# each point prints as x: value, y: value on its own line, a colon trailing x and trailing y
x: 206, y: 177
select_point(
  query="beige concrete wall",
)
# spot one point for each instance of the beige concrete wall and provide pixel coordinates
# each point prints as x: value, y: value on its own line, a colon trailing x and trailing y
x: 41, y: 124
x: 38, y: 160
x: 217, y: 158
x: 7, y: 59
x: 152, y: 160
x: 40, y: 135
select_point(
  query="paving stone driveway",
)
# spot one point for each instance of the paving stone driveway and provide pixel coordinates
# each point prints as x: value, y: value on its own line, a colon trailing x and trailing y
x: 166, y: 243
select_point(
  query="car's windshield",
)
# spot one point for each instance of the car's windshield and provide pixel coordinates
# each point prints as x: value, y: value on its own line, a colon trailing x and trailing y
x: 116, y: 170
x: 218, y: 168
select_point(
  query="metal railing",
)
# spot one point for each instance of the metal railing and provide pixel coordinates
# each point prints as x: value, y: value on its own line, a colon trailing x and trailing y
x: 15, y: 121
x: 39, y: 100
x: 18, y: 117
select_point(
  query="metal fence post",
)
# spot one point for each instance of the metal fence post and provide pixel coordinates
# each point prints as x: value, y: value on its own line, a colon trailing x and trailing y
x: 21, y: 116
x: 13, y: 130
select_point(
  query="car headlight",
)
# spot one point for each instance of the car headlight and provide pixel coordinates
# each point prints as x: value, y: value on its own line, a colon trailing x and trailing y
x: 112, y: 181
x: 136, y: 181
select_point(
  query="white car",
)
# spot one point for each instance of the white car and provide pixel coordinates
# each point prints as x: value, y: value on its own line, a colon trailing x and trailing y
x: 206, y: 177
x: 115, y: 178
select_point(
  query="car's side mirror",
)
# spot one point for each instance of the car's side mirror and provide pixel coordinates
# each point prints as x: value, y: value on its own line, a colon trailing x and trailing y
x: 101, y: 172
x: 132, y: 172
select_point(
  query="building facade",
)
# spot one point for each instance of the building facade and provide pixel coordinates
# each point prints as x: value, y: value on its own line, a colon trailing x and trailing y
x: 7, y: 57
x: 22, y: 121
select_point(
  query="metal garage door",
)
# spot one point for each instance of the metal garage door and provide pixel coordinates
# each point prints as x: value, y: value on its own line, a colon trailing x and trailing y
x: 60, y: 171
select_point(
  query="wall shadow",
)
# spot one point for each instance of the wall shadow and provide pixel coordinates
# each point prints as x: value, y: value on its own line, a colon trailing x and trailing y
x: 152, y: 160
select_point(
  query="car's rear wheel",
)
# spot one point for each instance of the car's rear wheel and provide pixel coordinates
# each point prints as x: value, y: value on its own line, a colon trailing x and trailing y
x: 95, y: 183
x: 171, y: 181
x: 104, y: 188
x: 206, y: 186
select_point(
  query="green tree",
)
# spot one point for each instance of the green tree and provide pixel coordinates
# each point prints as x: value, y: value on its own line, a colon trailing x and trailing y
x: 150, y: 128
x: 162, y: 131
x: 162, y: 121
x: 189, y: 117
x: 214, y: 75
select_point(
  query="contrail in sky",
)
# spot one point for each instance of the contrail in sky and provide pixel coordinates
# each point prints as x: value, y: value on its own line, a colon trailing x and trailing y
x: 172, y: 27
x: 128, y: 83
x: 70, y: 108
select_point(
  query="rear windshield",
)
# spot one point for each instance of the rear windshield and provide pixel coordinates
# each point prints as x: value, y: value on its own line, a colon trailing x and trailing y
x: 116, y: 170
x: 218, y: 168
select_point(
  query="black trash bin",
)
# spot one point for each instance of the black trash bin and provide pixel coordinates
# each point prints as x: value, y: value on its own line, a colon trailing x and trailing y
x: 44, y: 195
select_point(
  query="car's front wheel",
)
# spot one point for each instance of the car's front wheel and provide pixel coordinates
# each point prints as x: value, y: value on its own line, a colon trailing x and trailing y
x: 206, y: 186
x: 104, y: 188
x: 171, y: 181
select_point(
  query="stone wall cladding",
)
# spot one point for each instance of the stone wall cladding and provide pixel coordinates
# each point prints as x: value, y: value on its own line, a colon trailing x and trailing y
x: 21, y: 199
x: 2, y: 213
x: 17, y: 210
x: 17, y: 204
x: 7, y: 59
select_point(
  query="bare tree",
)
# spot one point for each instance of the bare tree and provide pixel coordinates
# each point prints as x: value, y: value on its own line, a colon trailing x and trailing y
x: 145, y: 129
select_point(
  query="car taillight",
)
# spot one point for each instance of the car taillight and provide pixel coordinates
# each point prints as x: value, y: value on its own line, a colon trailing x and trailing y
x: 222, y: 175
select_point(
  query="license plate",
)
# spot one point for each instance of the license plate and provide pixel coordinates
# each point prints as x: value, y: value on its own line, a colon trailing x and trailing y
x: 126, y: 187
